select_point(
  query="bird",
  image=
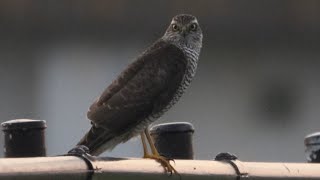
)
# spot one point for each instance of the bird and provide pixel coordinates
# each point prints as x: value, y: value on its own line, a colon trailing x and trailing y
x: 145, y: 90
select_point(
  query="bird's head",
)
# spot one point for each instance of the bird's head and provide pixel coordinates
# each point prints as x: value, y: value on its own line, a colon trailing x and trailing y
x: 184, y: 30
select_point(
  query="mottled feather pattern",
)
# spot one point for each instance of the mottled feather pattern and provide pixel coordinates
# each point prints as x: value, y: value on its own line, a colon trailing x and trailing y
x: 192, y: 59
x: 126, y: 109
x: 146, y: 89
x: 184, y: 18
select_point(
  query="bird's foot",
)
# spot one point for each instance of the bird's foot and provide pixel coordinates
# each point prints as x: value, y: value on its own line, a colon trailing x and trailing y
x: 165, y: 162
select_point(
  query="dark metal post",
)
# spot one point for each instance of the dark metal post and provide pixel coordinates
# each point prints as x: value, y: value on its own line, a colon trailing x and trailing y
x: 24, y: 138
x: 312, y: 143
x: 174, y: 140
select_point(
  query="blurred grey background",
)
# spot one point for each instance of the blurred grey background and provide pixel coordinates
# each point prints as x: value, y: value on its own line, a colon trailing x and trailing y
x: 256, y: 92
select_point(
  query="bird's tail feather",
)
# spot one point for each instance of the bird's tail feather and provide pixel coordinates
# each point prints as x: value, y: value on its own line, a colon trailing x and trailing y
x: 98, y: 140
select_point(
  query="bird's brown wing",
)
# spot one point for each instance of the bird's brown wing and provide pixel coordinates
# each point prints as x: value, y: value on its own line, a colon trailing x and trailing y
x: 153, y: 78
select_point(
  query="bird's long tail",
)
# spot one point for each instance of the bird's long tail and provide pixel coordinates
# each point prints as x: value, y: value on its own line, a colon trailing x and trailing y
x: 98, y: 140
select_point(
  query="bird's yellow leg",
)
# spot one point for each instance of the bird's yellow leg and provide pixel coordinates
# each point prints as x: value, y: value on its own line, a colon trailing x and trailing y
x: 151, y: 143
x: 145, y: 148
x: 165, y: 162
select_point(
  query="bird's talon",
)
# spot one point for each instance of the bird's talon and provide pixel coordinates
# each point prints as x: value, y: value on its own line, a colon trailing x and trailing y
x: 165, y: 162
x: 170, y: 159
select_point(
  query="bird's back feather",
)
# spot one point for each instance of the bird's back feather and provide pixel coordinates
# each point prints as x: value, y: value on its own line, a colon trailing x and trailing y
x: 144, y: 88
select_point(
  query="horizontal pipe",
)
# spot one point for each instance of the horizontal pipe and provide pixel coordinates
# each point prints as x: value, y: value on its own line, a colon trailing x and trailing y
x: 63, y: 167
x: 69, y: 167
x: 150, y: 169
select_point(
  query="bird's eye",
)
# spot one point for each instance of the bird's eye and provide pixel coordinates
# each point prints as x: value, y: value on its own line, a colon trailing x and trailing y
x: 193, y: 27
x: 175, y: 27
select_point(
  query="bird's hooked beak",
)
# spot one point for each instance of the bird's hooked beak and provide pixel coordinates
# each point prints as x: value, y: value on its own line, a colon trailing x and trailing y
x: 184, y: 32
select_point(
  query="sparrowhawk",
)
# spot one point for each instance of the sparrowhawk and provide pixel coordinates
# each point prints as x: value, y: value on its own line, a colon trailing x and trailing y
x: 146, y: 89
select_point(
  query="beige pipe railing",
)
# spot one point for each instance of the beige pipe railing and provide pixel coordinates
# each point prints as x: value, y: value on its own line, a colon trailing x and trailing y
x: 69, y: 167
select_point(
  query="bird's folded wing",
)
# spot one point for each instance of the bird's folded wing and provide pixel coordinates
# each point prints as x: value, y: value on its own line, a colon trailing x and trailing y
x: 152, y: 78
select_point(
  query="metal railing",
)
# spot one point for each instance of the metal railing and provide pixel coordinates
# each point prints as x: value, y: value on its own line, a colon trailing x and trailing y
x: 86, y: 167
x: 71, y: 167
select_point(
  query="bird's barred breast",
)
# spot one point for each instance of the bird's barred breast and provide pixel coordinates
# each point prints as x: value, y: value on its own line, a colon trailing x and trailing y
x: 192, y: 58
